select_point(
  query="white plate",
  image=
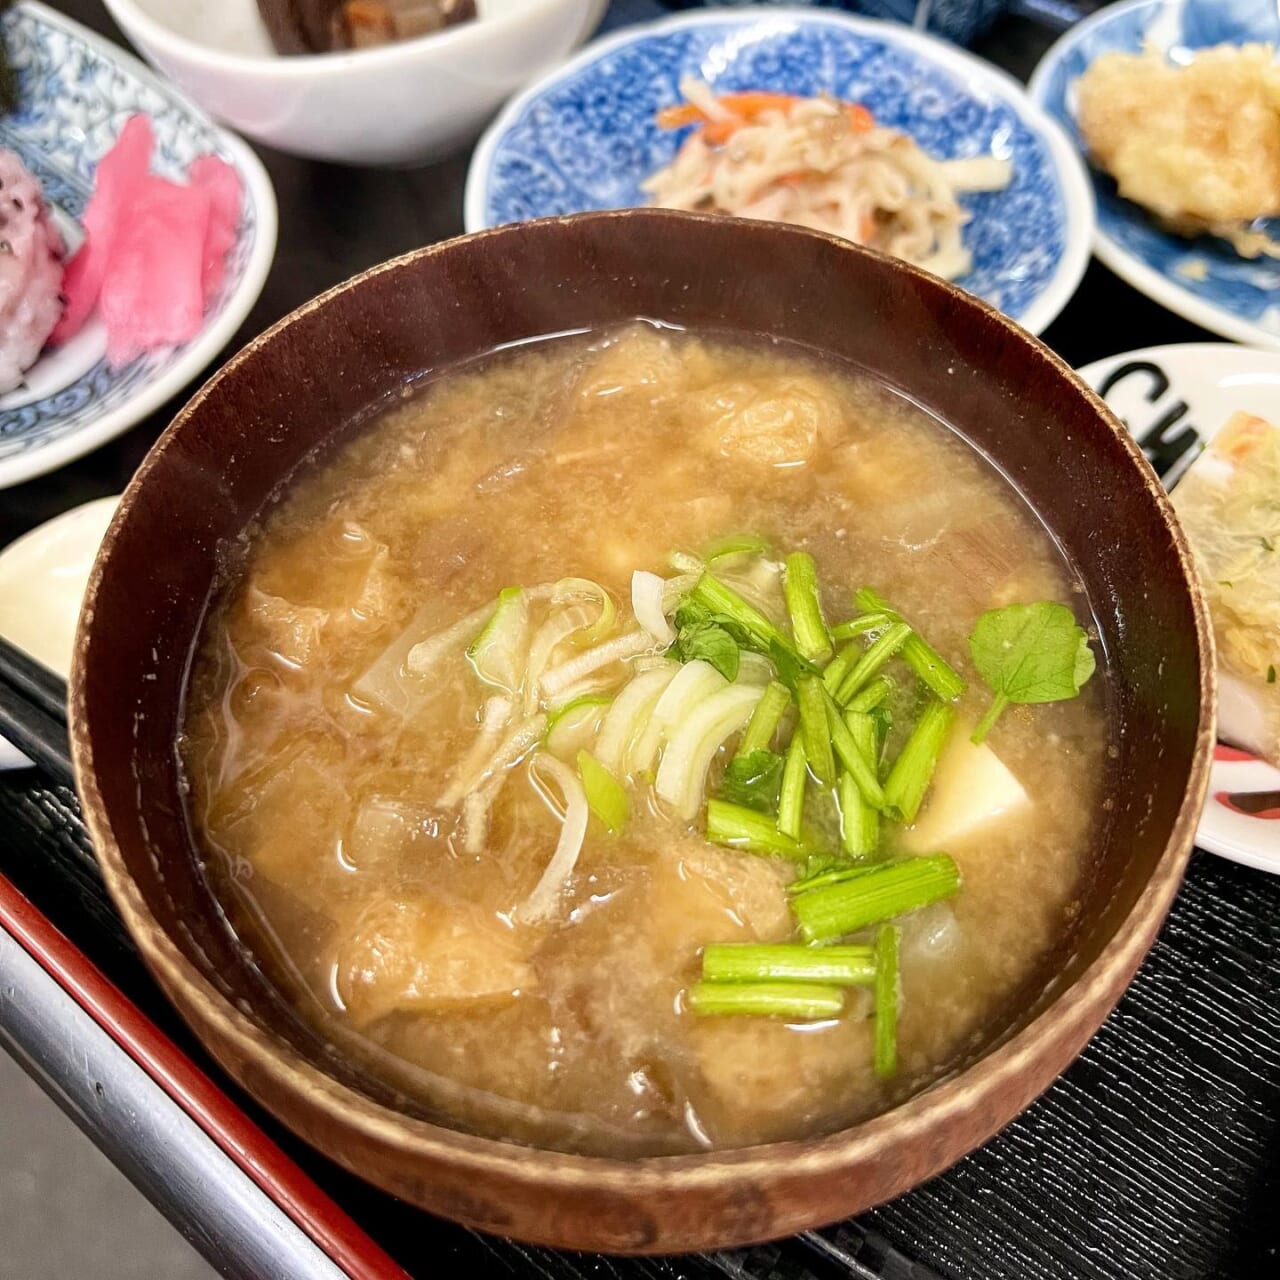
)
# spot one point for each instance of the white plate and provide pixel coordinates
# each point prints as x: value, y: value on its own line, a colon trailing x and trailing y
x: 42, y: 580
x: 1174, y: 399
x: 1203, y: 280
x: 75, y: 92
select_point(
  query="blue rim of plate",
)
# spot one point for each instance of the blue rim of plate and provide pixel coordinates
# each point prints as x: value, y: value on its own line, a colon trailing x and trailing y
x: 75, y: 92
x: 1235, y: 295
x: 521, y: 168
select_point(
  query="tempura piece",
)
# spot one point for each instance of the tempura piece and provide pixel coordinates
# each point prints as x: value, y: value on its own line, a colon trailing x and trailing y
x: 1230, y: 506
x: 1198, y: 145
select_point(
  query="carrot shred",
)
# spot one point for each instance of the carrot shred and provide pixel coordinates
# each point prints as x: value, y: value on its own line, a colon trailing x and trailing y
x: 744, y: 108
x: 859, y: 117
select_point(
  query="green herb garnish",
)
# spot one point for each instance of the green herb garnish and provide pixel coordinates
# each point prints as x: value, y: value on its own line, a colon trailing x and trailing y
x: 1271, y: 674
x: 1029, y: 653
x: 800, y: 1000
x: 800, y: 587
x: 887, y: 988
x: 758, y: 735
x: 752, y: 780
x: 712, y: 643
x: 913, y: 769
x: 861, y: 899
x: 738, y: 827
x: 787, y: 962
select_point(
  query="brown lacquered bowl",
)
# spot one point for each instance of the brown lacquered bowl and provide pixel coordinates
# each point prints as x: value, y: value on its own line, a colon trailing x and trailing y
x: 320, y: 371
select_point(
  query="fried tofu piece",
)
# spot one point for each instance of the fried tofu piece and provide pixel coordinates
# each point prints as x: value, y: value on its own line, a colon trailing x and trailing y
x: 424, y: 953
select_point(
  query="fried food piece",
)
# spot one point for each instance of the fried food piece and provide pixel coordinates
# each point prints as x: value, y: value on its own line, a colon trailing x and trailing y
x: 1228, y: 505
x: 1198, y: 145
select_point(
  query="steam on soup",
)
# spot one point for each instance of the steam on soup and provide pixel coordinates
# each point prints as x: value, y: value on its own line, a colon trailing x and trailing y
x: 589, y: 744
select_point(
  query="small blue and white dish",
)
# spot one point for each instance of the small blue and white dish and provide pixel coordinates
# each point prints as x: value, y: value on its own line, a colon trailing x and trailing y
x: 1204, y: 280
x: 75, y: 91
x: 586, y: 137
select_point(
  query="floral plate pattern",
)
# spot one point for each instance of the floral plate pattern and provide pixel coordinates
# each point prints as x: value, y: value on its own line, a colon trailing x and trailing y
x: 585, y: 137
x: 75, y: 91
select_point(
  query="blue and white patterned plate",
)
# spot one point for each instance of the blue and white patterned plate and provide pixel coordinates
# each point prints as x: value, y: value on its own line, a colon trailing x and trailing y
x: 1203, y: 280
x: 585, y: 137
x: 75, y: 92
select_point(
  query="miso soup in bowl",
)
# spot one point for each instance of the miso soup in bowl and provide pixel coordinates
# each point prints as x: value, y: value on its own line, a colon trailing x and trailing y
x: 654, y: 774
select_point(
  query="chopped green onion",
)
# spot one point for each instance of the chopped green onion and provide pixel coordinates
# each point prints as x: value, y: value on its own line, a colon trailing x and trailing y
x: 909, y: 778
x: 712, y: 594
x: 928, y: 664
x: 802, y: 1000
x: 695, y: 741
x: 872, y: 696
x: 791, y: 795
x: 863, y: 623
x: 499, y: 653
x: 888, y: 939
x: 838, y: 668
x: 736, y: 544
x: 881, y: 894
x: 788, y: 962
x: 815, y: 729
x: 856, y: 764
x: 606, y: 797
x: 741, y: 828
x: 800, y: 587
x: 878, y: 653
x: 568, y: 590
x: 763, y: 724
x: 859, y: 822
x: 574, y: 726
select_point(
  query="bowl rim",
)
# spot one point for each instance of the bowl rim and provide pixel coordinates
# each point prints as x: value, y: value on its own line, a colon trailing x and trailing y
x: 196, y: 355
x: 331, y: 65
x: 278, y: 1064
x: 1079, y: 208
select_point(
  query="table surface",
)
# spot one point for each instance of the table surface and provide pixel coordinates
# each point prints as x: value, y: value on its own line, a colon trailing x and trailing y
x: 1155, y: 1154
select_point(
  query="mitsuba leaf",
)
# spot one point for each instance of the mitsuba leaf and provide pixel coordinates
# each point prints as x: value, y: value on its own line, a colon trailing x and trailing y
x: 1030, y: 653
x: 753, y: 780
x: 712, y: 643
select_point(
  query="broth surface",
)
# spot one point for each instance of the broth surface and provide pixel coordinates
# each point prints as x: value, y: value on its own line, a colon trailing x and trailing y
x: 592, y: 456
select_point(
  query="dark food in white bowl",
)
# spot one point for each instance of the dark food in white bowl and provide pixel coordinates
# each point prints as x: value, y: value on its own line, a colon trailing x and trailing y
x: 322, y: 26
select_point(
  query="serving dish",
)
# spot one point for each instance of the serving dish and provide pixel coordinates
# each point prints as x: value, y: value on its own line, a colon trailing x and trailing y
x: 1203, y: 280
x: 223, y: 459
x: 75, y: 92
x: 401, y: 104
x: 1174, y: 399
x: 585, y: 137
x: 42, y: 578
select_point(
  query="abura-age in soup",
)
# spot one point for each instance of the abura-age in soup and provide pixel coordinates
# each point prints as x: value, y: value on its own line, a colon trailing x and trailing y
x: 644, y: 741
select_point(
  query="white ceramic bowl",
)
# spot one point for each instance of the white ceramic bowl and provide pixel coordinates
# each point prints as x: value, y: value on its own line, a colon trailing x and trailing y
x: 403, y: 104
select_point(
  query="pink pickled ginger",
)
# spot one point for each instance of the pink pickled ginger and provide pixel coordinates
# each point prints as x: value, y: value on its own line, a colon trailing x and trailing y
x: 152, y: 293
x: 154, y: 254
